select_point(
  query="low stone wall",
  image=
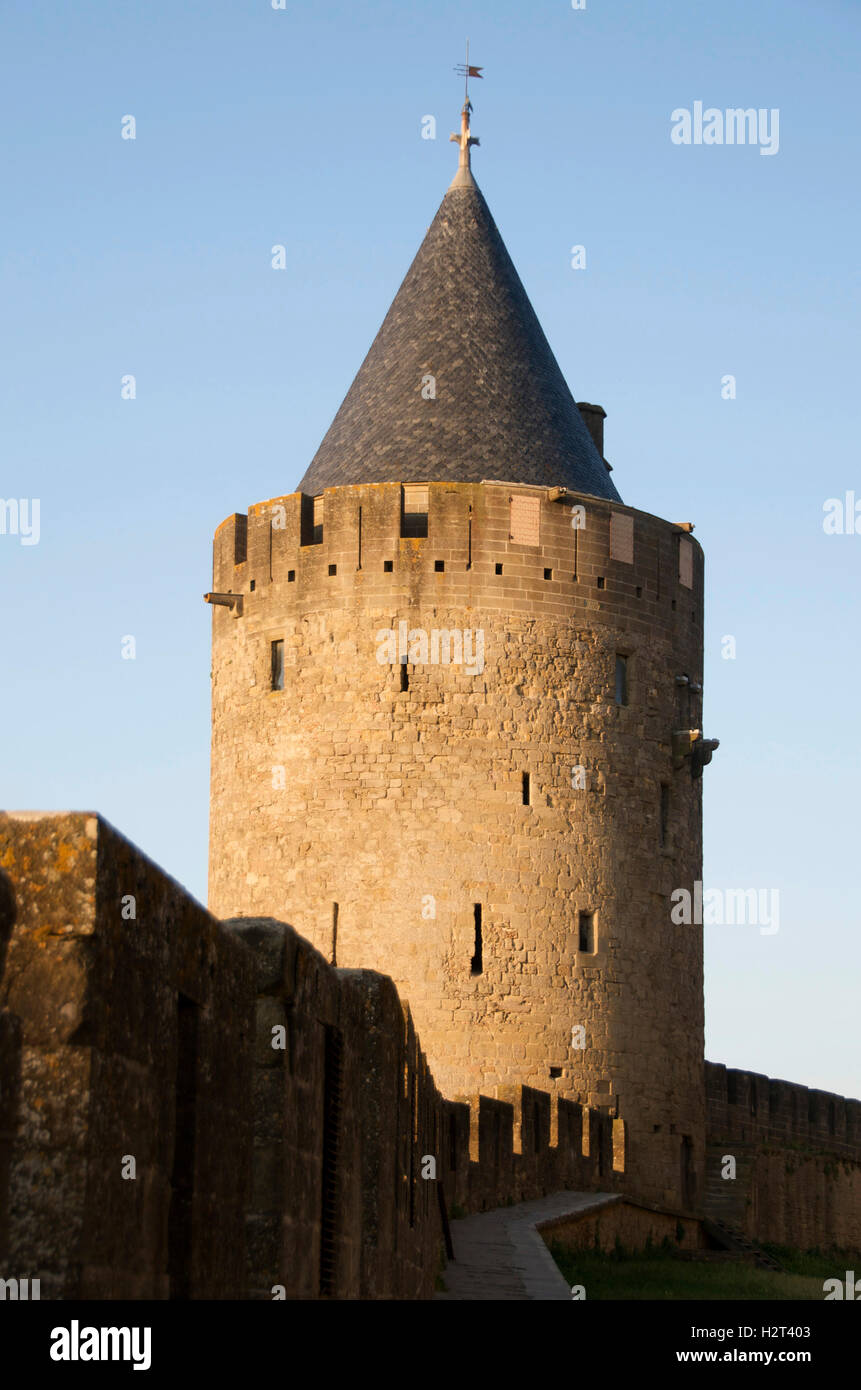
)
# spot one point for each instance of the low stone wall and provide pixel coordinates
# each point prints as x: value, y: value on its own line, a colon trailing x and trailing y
x: 627, y: 1224
x: 797, y: 1156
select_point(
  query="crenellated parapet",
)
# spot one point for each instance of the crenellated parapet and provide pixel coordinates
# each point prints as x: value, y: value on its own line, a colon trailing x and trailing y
x: 511, y: 548
x: 783, y: 1162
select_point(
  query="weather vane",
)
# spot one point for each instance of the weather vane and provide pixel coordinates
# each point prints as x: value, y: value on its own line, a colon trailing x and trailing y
x: 466, y: 72
x: 464, y: 139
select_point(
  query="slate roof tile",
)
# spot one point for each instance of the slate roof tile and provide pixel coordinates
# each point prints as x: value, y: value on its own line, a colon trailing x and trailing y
x: 502, y: 408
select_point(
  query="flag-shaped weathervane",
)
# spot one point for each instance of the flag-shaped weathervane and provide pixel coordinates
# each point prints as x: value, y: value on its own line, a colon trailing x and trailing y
x: 466, y: 139
x: 467, y: 71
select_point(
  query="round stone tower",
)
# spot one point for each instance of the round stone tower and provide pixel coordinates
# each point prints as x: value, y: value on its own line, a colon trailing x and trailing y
x: 456, y: 714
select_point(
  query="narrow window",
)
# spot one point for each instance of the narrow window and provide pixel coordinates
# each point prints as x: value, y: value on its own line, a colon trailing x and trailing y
x: 526, y: 790
x: 277, y: 663
x: 180, y: 1214
x: 414, y: 1129
x: 683, y: 702
x: 333, y: 569
x: 252, y: 586
x: 665, y: 812
x: 548, y: 574
x: 600, y: 581
x: 291, y: 576
x: 555, y: 1073
x: 476, y: 965
x: 586, y: 932
x: 388, y: 566
x: 335, y: 911
x: 333, y: 1087
x: 639, y: 591
x: 498, y: 568
x: 311, y: 520
x: 414, y: 510
x: 439, y: 566
x: 621, y: 679
x: 686, y: 562
x: 688, y: 1178
x: 405, y: 676
x: 359, y: 561
x: 240, y: 539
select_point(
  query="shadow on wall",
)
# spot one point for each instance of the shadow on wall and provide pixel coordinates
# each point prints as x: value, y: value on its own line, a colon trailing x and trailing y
x: 10, y: 1065
x: 357, y: 1157
x: 190, y: 1109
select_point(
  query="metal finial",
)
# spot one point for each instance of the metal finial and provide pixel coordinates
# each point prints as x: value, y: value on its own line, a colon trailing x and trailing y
x: 465, y: 140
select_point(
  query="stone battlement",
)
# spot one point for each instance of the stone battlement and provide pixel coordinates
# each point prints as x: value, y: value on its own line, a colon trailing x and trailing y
x: 797, y: 1160
x: 757, y: 1109
x: 507, y: 548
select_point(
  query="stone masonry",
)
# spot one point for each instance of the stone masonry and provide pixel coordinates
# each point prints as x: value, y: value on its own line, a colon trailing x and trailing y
x: 279, y: 1113
x: 383, y: 818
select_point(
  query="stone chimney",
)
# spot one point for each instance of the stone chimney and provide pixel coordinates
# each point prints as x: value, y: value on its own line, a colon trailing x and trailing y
x: 593, y: 418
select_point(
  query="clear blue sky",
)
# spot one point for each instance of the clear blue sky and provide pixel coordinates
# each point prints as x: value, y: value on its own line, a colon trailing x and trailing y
x: 256, y: 127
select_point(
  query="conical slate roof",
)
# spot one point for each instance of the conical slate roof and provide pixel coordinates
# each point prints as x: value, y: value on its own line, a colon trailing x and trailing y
x: 502, y: 409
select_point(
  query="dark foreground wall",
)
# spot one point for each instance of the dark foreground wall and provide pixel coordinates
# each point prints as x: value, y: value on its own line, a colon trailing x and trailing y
x: 134, y: 1016
x: 797, y: 1160
x: 194, y: 1109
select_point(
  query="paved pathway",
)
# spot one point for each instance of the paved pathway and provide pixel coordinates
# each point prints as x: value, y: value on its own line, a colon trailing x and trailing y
x: 501, y: 1255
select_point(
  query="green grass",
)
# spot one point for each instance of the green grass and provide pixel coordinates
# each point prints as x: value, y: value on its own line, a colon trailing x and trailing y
x: 660, y: 1274
x: 819, y: 1264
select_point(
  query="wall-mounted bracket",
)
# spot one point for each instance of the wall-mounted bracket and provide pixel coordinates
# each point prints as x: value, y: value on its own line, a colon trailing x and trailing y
x: 689, y: 743
x: 702, y: 754
x: 232, y: 601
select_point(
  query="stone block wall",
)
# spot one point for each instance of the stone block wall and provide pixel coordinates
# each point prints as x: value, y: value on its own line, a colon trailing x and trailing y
x: 798, y: 1160
x: 120, y: 985
x: 630, y: 1225
x: 134, y: 1026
